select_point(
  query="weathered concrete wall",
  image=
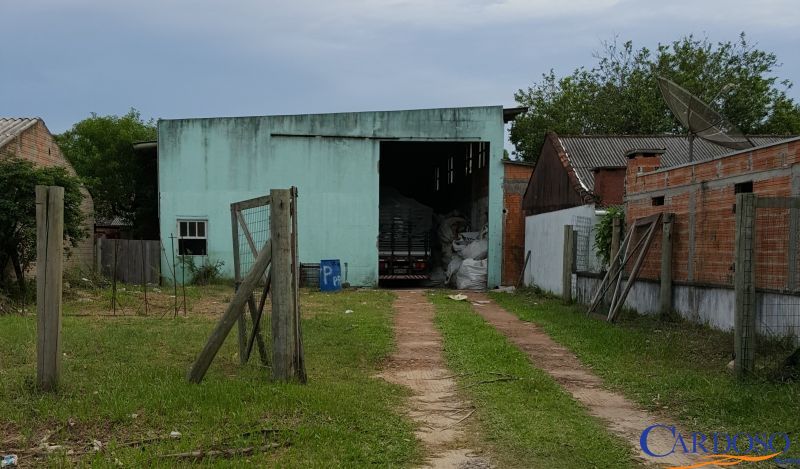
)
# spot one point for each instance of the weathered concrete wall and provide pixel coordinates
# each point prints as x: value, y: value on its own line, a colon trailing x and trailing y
x: 707, y: 305
x: 544, y: 238
x: 206, y: 164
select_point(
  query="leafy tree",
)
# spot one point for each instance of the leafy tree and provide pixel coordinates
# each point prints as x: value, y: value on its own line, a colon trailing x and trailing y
x: 100, y: 148
x: 19, y: 179
x: 620, y: 95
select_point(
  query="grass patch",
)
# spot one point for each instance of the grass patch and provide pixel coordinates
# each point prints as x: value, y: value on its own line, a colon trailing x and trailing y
x: 527, y: 422
x: 124, y: 380
x: 673, y: 367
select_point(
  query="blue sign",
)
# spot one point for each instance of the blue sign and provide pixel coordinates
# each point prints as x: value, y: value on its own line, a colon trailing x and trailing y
x: 330, y: 275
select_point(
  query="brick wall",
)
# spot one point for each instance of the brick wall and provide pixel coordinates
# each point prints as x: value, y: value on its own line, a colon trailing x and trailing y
x: 703, y: 198
x: 36, y: 144
x: 609, y: 186
x: 515, y: 181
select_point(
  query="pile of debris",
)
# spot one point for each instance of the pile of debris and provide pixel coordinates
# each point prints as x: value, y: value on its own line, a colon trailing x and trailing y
x: 463, y: 254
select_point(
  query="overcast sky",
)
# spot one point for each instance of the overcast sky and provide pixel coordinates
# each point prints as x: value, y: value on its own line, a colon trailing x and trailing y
x: 63, y: 59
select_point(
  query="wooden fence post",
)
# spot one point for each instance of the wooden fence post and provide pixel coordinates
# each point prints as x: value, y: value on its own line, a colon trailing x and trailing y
x: 285, y: 326
x: 745, y: 285
x: 616, y: 235
x: 49, y: 262
x: 666, y: 264
x: 569, y: 262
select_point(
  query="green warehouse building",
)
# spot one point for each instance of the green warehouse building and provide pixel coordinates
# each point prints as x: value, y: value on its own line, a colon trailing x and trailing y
x: 447, y: 159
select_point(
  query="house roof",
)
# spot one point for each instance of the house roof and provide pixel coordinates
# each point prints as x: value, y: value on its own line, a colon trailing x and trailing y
x: 11, y: 127
x: 588, y: 152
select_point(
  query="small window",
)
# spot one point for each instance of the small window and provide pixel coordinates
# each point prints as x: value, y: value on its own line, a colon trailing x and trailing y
x: 192, y: 240
x: 436, y: 178
x: 743, y: 188
x: 658, y: 201
x: 468, y: 162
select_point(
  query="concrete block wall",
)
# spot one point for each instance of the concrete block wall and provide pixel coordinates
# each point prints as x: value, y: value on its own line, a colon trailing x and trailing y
x: 544, y: 237
x: 37, y: 145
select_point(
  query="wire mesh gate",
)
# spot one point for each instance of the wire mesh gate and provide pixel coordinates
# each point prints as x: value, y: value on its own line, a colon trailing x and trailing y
x: 767, y: 320
x: 250, y: 229
x: 265, y: 261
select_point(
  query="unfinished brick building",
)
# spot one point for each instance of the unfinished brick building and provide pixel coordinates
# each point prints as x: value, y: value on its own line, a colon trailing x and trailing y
x: 516, y: 175
x: 702, y: 196
x: 29, y: 139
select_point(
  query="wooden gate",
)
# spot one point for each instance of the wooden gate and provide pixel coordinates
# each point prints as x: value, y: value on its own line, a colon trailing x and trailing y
x: 264, y: 231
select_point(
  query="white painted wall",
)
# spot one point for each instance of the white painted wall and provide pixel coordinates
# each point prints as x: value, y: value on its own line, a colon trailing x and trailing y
x: 544, y: 238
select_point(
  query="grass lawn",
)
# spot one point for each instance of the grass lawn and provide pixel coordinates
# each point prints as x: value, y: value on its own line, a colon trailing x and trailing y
x: 676, y: 368
x: 527, y: 422
x: 124, y: 381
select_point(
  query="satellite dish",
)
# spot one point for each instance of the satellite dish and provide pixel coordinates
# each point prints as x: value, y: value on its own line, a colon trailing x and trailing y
x: 701, y: 120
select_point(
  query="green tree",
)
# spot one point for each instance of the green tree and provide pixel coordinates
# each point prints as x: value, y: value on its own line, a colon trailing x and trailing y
x: 100, y: 148
x: 19, y: 179
x: 619, y: 95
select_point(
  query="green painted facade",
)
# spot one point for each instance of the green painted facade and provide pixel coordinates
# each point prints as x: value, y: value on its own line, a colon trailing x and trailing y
x: 206, y: 164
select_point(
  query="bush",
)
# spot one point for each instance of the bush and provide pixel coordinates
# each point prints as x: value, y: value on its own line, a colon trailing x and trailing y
x: 204, y: 274
x: 602, y: 237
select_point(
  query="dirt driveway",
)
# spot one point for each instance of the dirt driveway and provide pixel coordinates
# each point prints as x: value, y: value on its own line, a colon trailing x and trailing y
x: 620, y: 415
x: 435, y: 405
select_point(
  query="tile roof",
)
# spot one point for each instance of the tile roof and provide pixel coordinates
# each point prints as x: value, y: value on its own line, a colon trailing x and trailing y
x: 10, y: 127
x: 587, y: 152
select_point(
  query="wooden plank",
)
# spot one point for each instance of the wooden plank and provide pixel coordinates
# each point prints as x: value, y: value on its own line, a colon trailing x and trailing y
x: 251, y: 203
x: 257, y: 313
x: 237, y: 272
x: 155, y: 258
x: 247, y: 235
x: 569, y: 260
x: 284, y: 347
x: 524, y: 266
x: 232, y: 314
x: 635, y: 271
x: 644, y: 221
x: 621, y: 269
x: 616, y: 234
x: 49, y: 267
x: 665, y: 293
x: 612, y: 273
x: 299, y: 353
x: 98, y: 255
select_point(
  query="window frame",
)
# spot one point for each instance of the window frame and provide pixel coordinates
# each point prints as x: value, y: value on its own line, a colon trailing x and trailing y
x: 196, y: 222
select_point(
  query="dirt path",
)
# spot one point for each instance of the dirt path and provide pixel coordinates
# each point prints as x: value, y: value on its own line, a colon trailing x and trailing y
x: 435, y: 406
x: 621, y: 415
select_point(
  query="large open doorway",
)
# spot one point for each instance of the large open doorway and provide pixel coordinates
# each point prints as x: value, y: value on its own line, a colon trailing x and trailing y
x: 432, y: 194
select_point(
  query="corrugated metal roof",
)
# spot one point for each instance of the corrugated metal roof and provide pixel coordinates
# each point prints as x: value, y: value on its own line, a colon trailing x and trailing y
x: 10, y: 127
x: 587, y: 152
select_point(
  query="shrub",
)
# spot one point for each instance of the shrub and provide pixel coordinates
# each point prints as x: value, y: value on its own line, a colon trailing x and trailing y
x: 206, y: 273
x: 602, y: 237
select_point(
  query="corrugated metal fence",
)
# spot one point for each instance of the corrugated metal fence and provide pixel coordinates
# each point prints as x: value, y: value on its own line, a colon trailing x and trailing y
x: 130, y: 260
